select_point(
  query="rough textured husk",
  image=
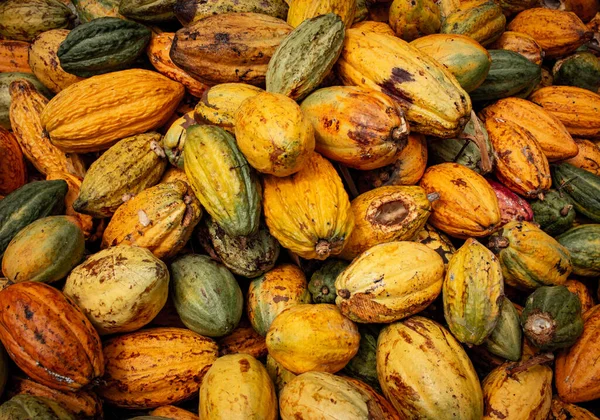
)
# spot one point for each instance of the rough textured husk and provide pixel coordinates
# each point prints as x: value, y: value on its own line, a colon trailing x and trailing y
x: 506, y: 340
x: 44, y: 62
x: 155, y: 367
x: 431, y: 97
x: 315, y: 200
x: 239, y: 386
x: 300, y: 10
x: 531, y: 257
x: 222, y: 179
x: 361, y: 128
x: 45, y: 251
x: 33, y: 407
x: 555, y: 213
x: 190, y: 12
x: 520, y: 43
x: 220, y: 103
x: 557, y: 32
x: 413, y: 20
x: 464, y: 57
x: 148, y: 10
x: 126, y: 169
x: 14, y: 56
x: 306, y: 56
x: 13, y: 171
x: 552, y: 136
x: 583, y: 244
x: 467, y: 205
x: 384, y: 214
x: 74, y: 184
x: 49, y: 337
x: 113, y: 299
x: 81, y: 117
x: 231, y: 47
x: 274, y: 134
x: 588, y: 156
x: 524, y: 394
x: 160, y: 218
x: 23, y: 21
x: 413, y: 276
x: 88, y: 10
x: 577, y: 108
x: 26, y: 107
x: 206, y: 295
x: 512, y: 207
x: 323, y: 395
x: 322, y: 282
x: 273, y: 292
x: 158, y: 51
x: 473, y: 291
x: 581, y: 186
x: 440, y: 382
x: 5, y: 80
x: 82, y: 403
x: 583, y: 294
x: 564, y: 411
x: 481, y: 20
x: 310, y: 337
x: 581, y: 69
x: 521, y: 164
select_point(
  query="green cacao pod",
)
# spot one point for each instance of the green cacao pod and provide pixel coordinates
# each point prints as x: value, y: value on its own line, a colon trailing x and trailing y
x: 222, y: 179
x: 551, y: 318
x: 555, y: 213
x: 583, y: 243
x: 24, y: 20
x: 103, y: 45
x: 26, y: 407
x: 581, y: 69
x: 27, y: 204
x: 247, y: 256
x: 363, y: 366
x: 506, y: 339
x: 5, y: 80
x: 530, y: 258
x: 127, y: 168
x: 45, y: 251
x: 510, y: 74
x: 472, y: 292
x: 207, y: 297
x: 322, y: 283
x: 148, y: 10
x: 475, y: 152
x: 306, y: 56
x: 582, y: 186
x: 481, y: 20
x: 191, y: 11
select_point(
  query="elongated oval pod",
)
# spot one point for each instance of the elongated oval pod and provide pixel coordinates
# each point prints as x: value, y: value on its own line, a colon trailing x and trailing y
x: 583, y: 244
x: 506, y: 339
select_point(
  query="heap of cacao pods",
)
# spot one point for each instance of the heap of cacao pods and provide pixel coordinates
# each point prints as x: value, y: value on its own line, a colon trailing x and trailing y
x: 299, y: 209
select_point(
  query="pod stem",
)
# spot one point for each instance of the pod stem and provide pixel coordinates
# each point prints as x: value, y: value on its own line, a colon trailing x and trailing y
x: 533, y: 361
x: 434, y: 196
x: 496, y: 243
x: 565, y: 210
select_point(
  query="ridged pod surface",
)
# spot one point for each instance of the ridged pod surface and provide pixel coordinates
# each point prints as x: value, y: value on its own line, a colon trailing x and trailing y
x: 522, y: 44
x: 583, y: 294
x: 23, y: 21
x: 431, y: 97
x: 300, y: 10
x: 273, y: 134
x: 26, y: 107
x: 230, y: 47
x: 237, y: 386
x: 222, y: 179
x: 556, y: 31
x: 158, y: 51
x: 127, y: 168
x: 49, y: 337
x: 548, y: 131
x: 588, y: 156
x: 312, y: 338
x: 309, y: 212
x: 160, y: 218
x: 467, y: 205
x: 562, y: 411
x: 33, y: 407
x: 5, y: 80
x: 44, y: 62
x: 385, y: 214
x: 555, y: 213
x: 530, y: 258
x: 14, y: 56
x: 473, y: 291
x: 81, y: 118
x: 359, y: 127
x: 85, y: 221
x: 149, y: 11
x: 273, y: 292
x: 120, y: 289
x: 581, y: 69
x: 323, y: 395
x: 220, y: 103
x: 13, y: 171
x: 578, y: 109
x: 481, y: 20
x: 583, y: 187
x: 439, y: 382
x: 174, y: 139
x: 306, y: 56
x: 583, y: 244
x: 506, y: 339
x: 389, y: 282
x: 142, y: 367
x: 437, y: 241
x: 88, y: 10
x: 411, y: 20
x: 189, y: 12
x: 464, y: 57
